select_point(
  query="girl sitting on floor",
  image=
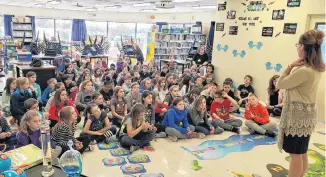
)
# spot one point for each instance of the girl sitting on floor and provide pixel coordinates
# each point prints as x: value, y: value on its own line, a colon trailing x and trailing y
x: 160, y: 90
x: 198, y: 117
x: 97, y: 78
x: 185, y: 85
x: 60, y: 100
x: 118, y: 106
x: 57, y: 86
x: 69, y: 70
x: 18, y: 98
x: 135, y: 133
x: 31, y: 76
x: 8, y: 90
x: 65, y: 129
x: 30, y: 132
x: 191, y: 96
x: 173, y: 93
x: 84, y: 97
x: 6, y: 136
x: 169, y: 80
x: 274, y: 98
x: 69, y: 84
x: 134, y: 96
x: 46, y: 93
x: 173, y: 119
x: 98, y: 126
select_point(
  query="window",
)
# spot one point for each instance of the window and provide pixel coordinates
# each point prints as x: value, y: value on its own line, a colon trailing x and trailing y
x: 64, y: 28
x: 96, y: 28
x: 45, y: 25
x: 321, y: 26
x: 118, y: 30
x: 142, y: 35
x: 2, y: 27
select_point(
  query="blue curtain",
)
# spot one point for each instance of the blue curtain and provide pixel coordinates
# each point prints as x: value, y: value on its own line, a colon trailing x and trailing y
x: 7, y: 25
x: 210, y: 41
x: 79, y: 31
x: 33, y: 25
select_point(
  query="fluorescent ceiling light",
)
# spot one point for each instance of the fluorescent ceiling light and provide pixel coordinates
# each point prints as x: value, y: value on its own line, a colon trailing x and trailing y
x: 204, y: 7
x: 179, y: 1
x: 141, y: 4
x: 148, y: 10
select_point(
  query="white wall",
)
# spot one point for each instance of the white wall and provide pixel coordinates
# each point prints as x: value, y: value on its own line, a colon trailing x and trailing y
x: 204, y: 17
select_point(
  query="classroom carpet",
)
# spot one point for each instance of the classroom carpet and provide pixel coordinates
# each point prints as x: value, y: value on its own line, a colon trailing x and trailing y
x: 170, y: 159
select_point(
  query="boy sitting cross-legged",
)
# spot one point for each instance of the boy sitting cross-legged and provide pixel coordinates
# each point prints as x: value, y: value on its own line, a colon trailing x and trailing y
x: 257, y: 119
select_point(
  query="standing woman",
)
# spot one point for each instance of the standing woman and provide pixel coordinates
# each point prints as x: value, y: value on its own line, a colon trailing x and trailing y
x: 299, y: 115
x: 274, y: 97
x: 201, y: 58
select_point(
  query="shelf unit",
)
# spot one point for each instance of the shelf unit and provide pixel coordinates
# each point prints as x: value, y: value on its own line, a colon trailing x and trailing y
x: 177, y: 43
x: 10, y: 55
x: 21, y: 25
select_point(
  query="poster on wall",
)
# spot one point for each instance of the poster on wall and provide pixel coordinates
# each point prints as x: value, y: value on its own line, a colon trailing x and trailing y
x: 221, y: 6
x: 256, y: 6
x: 290, y: 28
x: 267, y: 31
x: 231, y: 14
x: 233, y: 30
x: 278, y: 14
x: 294, y: 3
x: 322, y: 27
x: 219, y: 26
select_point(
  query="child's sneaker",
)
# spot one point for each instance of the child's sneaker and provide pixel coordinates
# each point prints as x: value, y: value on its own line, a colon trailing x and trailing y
x: 89, y: 148
x: 133, y: 148
x: 93, y: 142
x: 278, y: 111
x: 160, y: 135
x: 201, y: 135
x: 173, y: 138
x: 236, y: 130
x: 270, y: 133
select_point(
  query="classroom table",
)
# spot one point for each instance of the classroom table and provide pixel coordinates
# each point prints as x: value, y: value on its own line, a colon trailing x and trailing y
x: 179, y: 62
x: 43, y: 73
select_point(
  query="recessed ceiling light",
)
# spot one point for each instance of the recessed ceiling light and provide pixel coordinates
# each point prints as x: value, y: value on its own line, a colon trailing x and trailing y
x: 204, y: 7
x: 141, y: 4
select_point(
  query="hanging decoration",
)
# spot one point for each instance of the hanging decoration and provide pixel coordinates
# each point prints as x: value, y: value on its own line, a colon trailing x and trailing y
x: 221, y: 6
x: 256, y: 6
x: 294, y: 3
x: 267, y: 31
x: 278, y: 14
x: 219, y: 26
x: 290, y: 28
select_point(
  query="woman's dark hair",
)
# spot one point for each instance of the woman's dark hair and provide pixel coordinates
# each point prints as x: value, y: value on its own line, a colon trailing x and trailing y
x: 312, y: 41
x: 176, y: 101
x: 271, y: 86
x: 185, y: 81
x: 8, y: 83
x: 198, y: 101
x: 57, y: 101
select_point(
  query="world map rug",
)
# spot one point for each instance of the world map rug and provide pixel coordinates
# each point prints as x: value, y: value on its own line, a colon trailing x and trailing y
x: 216, y: 149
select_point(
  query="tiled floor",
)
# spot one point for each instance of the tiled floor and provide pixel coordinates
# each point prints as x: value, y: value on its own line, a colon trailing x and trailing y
x: 172, y: 161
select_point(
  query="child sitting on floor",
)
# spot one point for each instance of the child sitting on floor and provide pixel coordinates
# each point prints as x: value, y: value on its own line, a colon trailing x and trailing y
x: 30, y: 132
x: 6, y: 136
x: 65, y: 129
x: 84, y: 97
x: 257, y: 119
x: 133, y: 97
x: 135, y: 133
x: 8, y: 90
x: 60, y: 86
x: 107, y: 90
x: 98, y: 125
x: 173, y: 93
x: 244, y: 90
x: 173, y: 119
x: 46, y: 93
x: 31, y: 76
x: 220, y: 112
x: 127, y: 84
x: 118, y: 106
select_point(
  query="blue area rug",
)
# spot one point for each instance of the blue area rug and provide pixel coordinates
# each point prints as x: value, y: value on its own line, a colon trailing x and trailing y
x: 216, y: 149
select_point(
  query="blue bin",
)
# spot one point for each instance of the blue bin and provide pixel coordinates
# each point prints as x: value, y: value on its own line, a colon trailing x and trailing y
x: 24, y: 57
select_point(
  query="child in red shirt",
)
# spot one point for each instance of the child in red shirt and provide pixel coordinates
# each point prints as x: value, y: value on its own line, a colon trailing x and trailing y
x: 257, y: 119
x: 220, y: 110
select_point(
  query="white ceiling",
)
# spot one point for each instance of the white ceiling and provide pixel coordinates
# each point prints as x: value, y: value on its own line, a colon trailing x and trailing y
x: 116, y: 5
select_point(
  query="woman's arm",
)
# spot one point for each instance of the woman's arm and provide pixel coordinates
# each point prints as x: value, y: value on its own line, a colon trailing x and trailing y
x: 268, y: 99
x: 288, y: 81
x: 281, y: 94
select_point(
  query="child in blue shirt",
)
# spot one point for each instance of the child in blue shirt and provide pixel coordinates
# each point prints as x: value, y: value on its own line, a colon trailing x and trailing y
x: 46, y: 93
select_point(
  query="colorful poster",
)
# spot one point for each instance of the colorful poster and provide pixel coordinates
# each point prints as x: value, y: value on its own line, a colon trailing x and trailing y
x: 278, y: 14
x: 267, y: 31
x: 290, y: 28
x: 233, y: 30
x: 221, y: 6
x: 150, y: 46
x: 294, y: 3
x: 231, y: 14
x: 219, y: 26
x: 256, y: 6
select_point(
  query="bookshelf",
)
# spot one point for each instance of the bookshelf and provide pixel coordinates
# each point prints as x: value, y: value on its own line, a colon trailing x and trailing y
x: 21, y: 25
x: 177, y: 44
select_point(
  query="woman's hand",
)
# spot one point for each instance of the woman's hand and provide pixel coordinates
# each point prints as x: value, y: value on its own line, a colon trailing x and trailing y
x: 297, y: 63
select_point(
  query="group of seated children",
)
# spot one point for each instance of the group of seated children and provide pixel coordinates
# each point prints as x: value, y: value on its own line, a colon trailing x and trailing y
x: 154, y: 105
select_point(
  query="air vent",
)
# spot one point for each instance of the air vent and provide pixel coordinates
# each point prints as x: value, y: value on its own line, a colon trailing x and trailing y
x: 165, y: 4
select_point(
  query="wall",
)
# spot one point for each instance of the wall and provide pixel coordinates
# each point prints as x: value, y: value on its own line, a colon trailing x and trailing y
x: 205, y: 17
x: 279, y: 49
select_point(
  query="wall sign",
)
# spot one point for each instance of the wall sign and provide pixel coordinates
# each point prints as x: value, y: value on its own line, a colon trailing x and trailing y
x: 233, y: 30
x: 256, y: 6
x: 221, y: 6
x: 278, y: 14
x: 231, y: 14
x: 267, y: 31
x: 219, y: 26
x: 290, y: 28
x: 294, y: 3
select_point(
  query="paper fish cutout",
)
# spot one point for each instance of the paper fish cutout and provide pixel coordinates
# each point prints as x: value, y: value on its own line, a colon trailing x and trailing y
x: 138, y: 158
x: 115, y: 161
